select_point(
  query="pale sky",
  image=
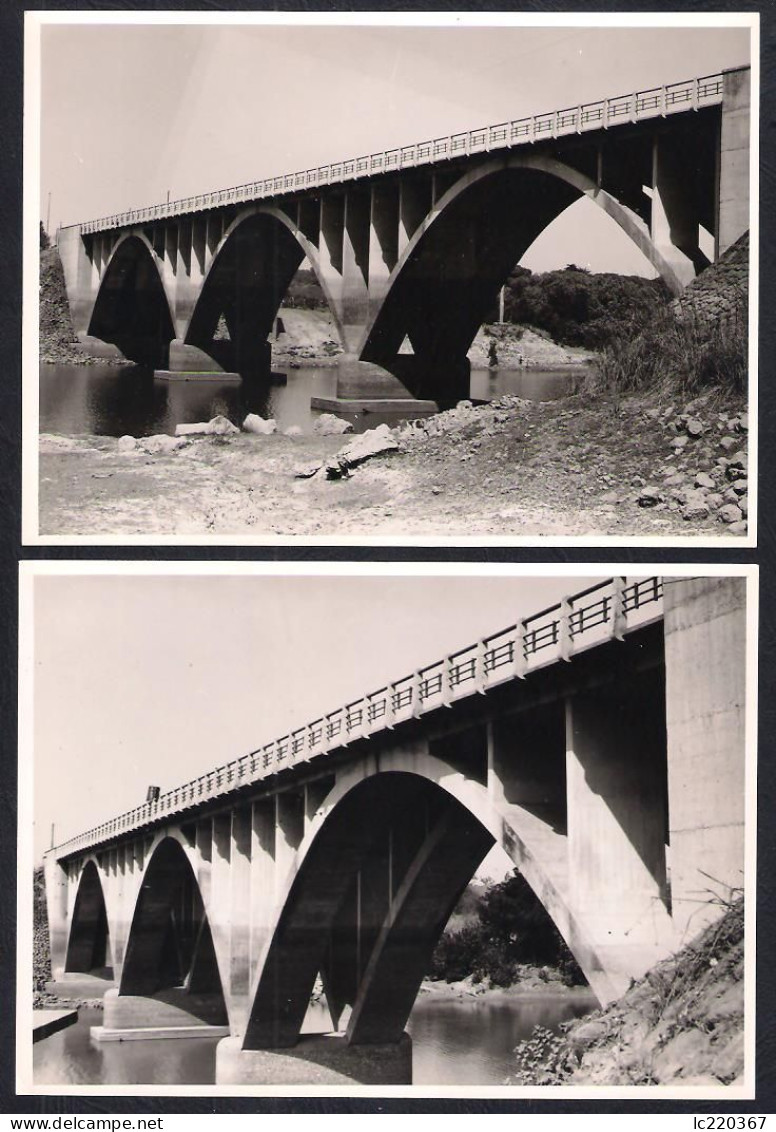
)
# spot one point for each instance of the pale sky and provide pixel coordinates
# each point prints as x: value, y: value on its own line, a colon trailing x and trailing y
x: 157, y: 679
x: 132, y: 111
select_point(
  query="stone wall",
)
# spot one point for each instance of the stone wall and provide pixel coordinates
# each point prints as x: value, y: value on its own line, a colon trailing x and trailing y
x: 720, y: 292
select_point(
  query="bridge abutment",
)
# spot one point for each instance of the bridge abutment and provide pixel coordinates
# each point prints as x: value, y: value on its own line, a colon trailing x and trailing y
x: 705, y: 717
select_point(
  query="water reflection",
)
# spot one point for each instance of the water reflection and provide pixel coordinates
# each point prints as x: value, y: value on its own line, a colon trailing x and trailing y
x: 457, y: 1042
x: 111, y: 401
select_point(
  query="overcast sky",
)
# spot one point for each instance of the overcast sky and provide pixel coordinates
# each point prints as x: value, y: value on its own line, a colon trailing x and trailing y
x: 141, y: 680
x: 129, y: 112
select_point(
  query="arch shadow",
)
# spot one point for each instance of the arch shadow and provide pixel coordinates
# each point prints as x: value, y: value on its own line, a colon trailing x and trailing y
x: 88, y: 944
x: 244, y: 286
x: 131, y: 309
x: 170, y: 946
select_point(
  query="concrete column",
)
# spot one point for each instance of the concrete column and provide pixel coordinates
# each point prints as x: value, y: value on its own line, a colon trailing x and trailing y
x: 240, y: 908
x: 414, y: 206
x: 355, y: 266
x: 705, y: 643
x: 289, y: 831
x: 80, y: 283
x: 57, y: 886
x: 383, y: 241
x: 262, y: 897
x: 733, y: 218
x: 220, y: 895
x: 674, y: 220
x: 616, y: 819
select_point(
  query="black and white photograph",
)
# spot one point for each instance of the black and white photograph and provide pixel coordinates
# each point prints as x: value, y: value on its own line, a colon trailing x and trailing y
x: 272, y: 840
x: 457, y: 279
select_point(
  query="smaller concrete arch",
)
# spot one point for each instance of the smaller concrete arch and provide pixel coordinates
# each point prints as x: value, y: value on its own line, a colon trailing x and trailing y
x: 251, y: 270
x: 89, y: 939
x: 170, y: 949
x: 132, y: 308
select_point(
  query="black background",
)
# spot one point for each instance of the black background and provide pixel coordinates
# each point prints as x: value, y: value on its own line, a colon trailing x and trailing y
x: 11, y: 551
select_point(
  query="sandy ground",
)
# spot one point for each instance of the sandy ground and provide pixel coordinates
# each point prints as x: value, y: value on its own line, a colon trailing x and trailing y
x: 515, y: 468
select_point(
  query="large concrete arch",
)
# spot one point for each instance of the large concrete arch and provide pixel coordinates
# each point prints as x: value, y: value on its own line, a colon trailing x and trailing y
x: 449, y: 273
x: 89, y: 940
x: 316, y: 898
x: 133, y: 308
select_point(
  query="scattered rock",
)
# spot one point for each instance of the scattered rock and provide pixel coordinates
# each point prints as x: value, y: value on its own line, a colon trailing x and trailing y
x: 373, y: 442
x: 650, y: 496
x: 218, y: 426
x: 704, y: 480
x: 694, y: 427
x: 695, y: 506
x: 730, y: 513
x: 161, y: 444
x: 727, y: 443
x: 127, y: 444
x: 258, y: 425
x: 737, y: 528
x: 306, y: 471
x: 679, y: 442
x: 329, y: 425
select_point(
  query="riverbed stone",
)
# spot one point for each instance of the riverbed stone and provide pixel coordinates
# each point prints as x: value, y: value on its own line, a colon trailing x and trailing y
x: 737, y: 528
x: 730, y: 513
x: 695, y: 506
x: 679, y: 442
x: 728, y: 443
x: 161, y: 444
x: 258, y: 425
x: 694, y: 427
x: 649, y: 496
x: 329, y: 425
x: 292, y: 430
x: 740, y: 486
x: 127, y: 444
x: 373, y: 442
x: 704, y: 480
x: 217, y: 426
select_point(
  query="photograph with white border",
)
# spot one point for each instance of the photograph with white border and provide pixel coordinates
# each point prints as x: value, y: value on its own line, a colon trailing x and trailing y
x: 497, y: 843
x: 390, y: 279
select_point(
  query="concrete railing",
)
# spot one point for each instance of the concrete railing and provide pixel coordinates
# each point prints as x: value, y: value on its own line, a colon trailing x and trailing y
x: 606, y: 610
x: 690, y: 94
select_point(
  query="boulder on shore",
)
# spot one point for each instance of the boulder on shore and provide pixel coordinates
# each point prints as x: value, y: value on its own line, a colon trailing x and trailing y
x: 218, y: 426
x: 258, y: 425
x: 329, y: 425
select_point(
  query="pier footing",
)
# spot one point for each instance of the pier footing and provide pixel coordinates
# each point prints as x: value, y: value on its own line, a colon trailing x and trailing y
x: 316, y: 1059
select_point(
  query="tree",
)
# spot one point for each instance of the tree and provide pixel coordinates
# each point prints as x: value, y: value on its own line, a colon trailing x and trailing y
x: 45, y: 242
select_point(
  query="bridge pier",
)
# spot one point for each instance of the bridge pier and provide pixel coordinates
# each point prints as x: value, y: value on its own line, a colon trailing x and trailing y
x: 317, y: 1059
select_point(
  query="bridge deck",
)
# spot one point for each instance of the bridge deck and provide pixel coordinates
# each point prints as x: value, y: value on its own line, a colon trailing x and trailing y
x: 609, y: 609
x: 689, y: 94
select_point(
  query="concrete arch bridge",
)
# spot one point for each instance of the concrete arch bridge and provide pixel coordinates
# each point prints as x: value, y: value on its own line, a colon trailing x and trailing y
x: 412, y: 245
x: 600, y: 743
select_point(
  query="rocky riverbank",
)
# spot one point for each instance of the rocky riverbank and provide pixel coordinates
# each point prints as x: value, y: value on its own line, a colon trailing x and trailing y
x: 682, y: 1024
x: 577, y: 466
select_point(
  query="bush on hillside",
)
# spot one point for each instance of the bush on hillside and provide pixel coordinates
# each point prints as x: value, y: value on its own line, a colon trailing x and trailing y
x: 512, y: 928
x: 578, y: 308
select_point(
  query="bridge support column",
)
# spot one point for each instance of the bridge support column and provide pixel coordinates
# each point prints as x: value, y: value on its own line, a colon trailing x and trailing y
x: 733, y: 218
x: 615, y: 780
x: 705, y: 635
x: 317, y: 1059
x: 57, y: 910
x: 674, y: 226
x: 240, y: 913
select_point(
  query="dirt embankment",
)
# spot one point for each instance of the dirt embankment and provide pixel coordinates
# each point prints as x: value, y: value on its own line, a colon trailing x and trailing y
x: 58, y: 343
x: 682, y: 1024
x: 510, y: 468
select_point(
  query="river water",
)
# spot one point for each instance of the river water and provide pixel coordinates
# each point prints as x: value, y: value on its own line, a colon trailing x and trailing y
x: 111, y: 401
x: 455, y: 1042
